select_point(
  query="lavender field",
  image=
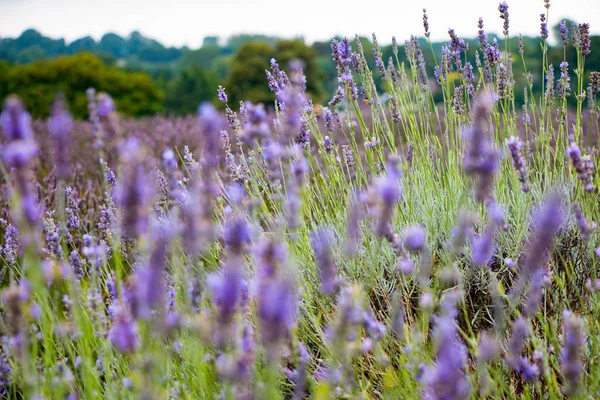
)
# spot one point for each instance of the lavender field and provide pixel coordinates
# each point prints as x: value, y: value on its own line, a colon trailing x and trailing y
x: 382, y: 246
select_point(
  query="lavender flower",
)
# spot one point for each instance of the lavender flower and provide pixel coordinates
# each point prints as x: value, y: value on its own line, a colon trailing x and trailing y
x: 389, y: 191
x: 564, y: 33
x: 447, y: 378
x: 573, y: 352
x: 222, y: 95
x: 133, y: 192
x: 150, y: 286
x: 469, y: 78
x: 415, y: 238
x: 564, y: 83
x: 15, y: 121
x: 484, y: 246
x: 94, y: 119
x: 488, y: 348
x: 520, y: 44
x: 19, y: 152
x: 72, y: 210
x: 278, y: 79
x: 584, y: 43
x: 77, y: 263
x: 594, y: 85
x: 503, y: 89
x: 327, y: 144
x: 236, y: 235
x: 457, y: 101
x: 585, y: 227
x: 59, y: 126
x: 123, y: 333
x: 226, y: 292
x: 321, y: 241
x: 545, y: 226
x: 211, y: 123
x: 348, y: 156
x: 378, y: 57
x: 11, y: 246
x: 457, y: 45
x: 514, y: 145
x: 337, y: 98
x: 481, y: 35
x: 481, y: 158
x: 491, y: 58
x: 583, y: 165
x: 441, y: 71
x: 276, y: 303
x: 543, y: 27
x: 503, y: 8
x: 425, y: 23
x: 415, y: 53
x: 342, y: 55
x: 106, y: 105
x: 549, y: 97
x: 52, y: 231
x: 5, y: 374
x: 520, y: 331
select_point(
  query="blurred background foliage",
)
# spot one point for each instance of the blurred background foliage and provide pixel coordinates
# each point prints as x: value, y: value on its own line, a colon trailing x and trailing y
x: 145, y: 77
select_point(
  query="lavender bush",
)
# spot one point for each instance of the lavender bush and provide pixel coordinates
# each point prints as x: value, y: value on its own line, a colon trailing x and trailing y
x: 385, y: 249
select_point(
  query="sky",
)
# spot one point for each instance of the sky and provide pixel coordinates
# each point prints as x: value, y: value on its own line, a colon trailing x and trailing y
x: 187, y: 22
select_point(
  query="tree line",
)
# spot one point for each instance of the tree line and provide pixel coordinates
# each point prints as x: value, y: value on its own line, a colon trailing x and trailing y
x: 145, y: 77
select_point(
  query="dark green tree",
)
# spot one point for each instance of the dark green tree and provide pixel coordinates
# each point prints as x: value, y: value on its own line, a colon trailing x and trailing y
x: 247, y: 80
x: 191, y: 87
x: 113, y: 44
x: 134, y: 93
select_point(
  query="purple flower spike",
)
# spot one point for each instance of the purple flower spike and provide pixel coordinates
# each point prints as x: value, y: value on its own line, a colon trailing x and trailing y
x: 516, y: 343
x: 564, y: 33
x: 503, y: 8
x: 585, y: 227
x: 572, y: 354
x: 447, y: 379
x: 321, y: 241
x: 415, y: 238
x: 276, y: 312
x: 222, y: 94
x: 484, y: 246
x: 106, y: 105
x: 123, y: 333
x: 514, y: 145
x: 543, y: 27
x: 583, y: 165
x: 584, y: 43
x: 482, y: 158
x: 134, y: 191
x: 59, y: 126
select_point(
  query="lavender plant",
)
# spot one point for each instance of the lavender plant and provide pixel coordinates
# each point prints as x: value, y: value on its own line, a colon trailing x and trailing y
x: 370, y: 249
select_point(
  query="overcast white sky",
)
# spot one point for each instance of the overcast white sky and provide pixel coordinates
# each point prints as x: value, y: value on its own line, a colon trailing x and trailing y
x: 186, y: 22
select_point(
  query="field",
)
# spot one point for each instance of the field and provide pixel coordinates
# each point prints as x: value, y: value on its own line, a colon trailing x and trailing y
x: 383, y: 246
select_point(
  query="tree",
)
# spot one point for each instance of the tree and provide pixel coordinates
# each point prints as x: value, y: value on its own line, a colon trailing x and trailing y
x: 191, y: 87
x: 113, y: 44
x: 85, y: 44
x: 247, y: 80
x: 134, y: 93
x: 203, y: 57
x: 210, y: 41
